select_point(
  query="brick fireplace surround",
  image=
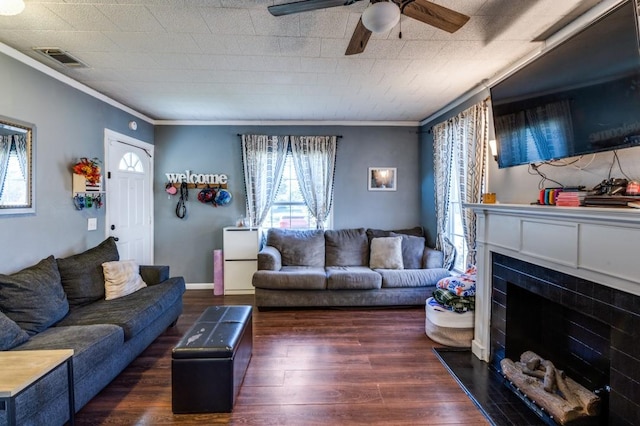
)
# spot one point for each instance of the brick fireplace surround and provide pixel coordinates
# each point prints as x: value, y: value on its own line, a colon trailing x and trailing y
x: 564, y: 282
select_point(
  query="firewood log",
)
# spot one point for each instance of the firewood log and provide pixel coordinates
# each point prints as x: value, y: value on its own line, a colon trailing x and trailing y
x: 590, y: 401
x: 556, y: 406
x: 587, y: 399
x: 535, y: 373
x: 568, y: 393
x: 531, y: 359
x: 549, y: 379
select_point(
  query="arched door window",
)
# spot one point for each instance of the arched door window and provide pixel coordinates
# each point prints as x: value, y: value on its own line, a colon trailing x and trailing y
x: 130, y: 162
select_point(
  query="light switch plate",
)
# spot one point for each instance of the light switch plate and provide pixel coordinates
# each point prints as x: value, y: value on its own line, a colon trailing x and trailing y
x: 92, y: 224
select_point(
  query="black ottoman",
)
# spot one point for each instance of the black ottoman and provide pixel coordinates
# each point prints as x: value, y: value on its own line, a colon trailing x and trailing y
x: 209, y: 362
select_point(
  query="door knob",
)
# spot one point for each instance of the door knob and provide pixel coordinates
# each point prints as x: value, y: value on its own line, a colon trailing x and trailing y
x: 113, y: 227
x: 116, y: 239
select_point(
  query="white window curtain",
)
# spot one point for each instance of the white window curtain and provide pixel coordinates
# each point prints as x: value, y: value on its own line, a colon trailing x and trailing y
x: 460, y: 146
x: 21, y: 152
x: 263, y: 161
x: 5, y: 149
x: 443, y: 136
x: 314, y: 158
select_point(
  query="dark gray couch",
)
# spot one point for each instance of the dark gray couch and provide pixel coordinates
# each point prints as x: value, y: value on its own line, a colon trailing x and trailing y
x: 68, y: 310
x: 302, y: 268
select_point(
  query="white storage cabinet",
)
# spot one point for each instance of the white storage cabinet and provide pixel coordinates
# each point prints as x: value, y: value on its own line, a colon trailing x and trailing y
x: 240, y: 253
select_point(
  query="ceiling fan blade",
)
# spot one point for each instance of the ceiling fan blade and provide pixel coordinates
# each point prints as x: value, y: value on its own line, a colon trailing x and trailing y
x: 359, y: 39
x: 436, y: 15
x: 306, y: 5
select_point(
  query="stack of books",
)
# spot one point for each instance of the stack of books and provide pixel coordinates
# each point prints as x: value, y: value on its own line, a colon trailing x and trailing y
x: 571, y: 198
x: 611, y: 200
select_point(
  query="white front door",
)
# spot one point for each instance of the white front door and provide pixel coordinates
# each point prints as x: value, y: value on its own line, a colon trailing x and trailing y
x: 129, y: 170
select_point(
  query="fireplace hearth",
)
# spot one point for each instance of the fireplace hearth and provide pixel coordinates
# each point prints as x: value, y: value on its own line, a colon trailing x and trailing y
x: 589, y: 330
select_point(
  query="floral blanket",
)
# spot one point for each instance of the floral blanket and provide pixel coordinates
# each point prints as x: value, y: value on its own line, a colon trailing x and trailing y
x: 463, y: 285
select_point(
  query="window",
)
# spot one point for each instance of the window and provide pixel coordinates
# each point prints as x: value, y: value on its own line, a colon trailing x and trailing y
x: 14, y: 191
x: 288, y: 209
x: 455, y: 231
x: 130, y: 162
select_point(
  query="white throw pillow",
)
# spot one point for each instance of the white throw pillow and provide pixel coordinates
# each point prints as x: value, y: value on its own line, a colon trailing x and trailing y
x: 386, y: 253
x: 121, y: 278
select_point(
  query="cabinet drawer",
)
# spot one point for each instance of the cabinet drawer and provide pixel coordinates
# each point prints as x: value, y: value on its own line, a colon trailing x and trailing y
x: 238, y: 275
x: 240, y: 244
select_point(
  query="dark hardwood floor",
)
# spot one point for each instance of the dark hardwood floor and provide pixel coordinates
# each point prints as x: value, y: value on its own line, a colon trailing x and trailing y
x: 309, y: 367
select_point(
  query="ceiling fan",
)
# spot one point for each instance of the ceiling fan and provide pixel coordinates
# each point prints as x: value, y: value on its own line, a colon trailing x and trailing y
x: 423, y: 10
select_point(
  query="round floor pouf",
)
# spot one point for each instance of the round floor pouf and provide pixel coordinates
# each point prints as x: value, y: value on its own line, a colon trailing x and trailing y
x: 446, y: 327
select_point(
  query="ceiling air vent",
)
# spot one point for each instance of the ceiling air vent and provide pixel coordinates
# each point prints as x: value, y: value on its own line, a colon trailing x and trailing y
x: 60, y: 56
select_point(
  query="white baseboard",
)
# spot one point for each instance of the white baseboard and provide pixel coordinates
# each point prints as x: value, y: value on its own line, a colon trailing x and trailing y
x: 199, y: 286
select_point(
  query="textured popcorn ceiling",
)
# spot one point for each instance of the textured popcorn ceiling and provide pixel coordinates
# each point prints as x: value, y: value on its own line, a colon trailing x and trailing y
x: 230, y: 60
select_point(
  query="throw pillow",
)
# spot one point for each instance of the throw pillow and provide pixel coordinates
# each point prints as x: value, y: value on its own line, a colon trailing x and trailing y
x: 82, y: 275
x: 33, y: 297
x: 121, y: 278
x: 386, y: 253
x: 11, y: 335
x: 412, y: 250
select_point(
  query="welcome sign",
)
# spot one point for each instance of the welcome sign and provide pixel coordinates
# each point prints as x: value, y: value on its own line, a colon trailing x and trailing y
x: 197, y: 178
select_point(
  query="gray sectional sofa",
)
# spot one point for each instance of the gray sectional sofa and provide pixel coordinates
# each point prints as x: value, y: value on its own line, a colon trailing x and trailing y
x: 315, y: 268
x: 60, y: 304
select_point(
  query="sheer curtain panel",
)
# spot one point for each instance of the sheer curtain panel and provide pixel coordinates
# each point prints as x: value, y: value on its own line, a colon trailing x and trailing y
x: 314, y: 158
x: 460, y: 146
x: 263, y: 162
x: 443, y: 136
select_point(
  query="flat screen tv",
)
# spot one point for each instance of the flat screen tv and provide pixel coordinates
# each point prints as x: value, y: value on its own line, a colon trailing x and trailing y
x: 581, y: 97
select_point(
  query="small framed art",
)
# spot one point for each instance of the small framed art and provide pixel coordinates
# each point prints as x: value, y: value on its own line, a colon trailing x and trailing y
x: 382, y: 179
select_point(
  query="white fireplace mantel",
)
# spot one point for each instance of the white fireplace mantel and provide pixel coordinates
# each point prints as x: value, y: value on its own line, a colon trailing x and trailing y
x: 597, y: 244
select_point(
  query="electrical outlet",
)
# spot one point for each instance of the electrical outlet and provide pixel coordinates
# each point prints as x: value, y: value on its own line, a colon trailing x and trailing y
x: 92, y: 224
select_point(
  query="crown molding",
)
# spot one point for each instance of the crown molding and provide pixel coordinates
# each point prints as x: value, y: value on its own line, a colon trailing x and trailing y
x: 284, y: 123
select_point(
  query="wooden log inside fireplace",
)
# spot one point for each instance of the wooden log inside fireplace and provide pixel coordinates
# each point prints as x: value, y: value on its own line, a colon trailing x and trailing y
x: 564, y: 399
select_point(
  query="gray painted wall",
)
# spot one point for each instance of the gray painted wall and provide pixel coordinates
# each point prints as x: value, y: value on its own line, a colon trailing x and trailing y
x: 187, y: 244
x: 69, y: 124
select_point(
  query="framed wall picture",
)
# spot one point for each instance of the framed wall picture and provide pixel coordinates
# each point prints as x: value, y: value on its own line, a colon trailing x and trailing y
x: 382, y: 179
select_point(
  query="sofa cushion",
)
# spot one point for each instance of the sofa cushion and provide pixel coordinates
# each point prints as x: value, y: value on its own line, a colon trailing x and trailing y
x: 133, y: 312
x: 346, y: 247
x: 386, y: 253
x: 91, y: 344
x: 352, y: 278
x: 412, y: 250
x: 411, y: 277
x: 416, y: 231
x: 33, y: 297
x: 291, y: 278
x: 11, y: 335
x: 298, y: 247
x: 82, y: 276
x: 121, y: 277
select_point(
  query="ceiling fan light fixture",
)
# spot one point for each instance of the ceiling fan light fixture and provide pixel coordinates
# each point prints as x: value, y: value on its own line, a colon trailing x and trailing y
x: 381, y: 17
x: 11, y: 7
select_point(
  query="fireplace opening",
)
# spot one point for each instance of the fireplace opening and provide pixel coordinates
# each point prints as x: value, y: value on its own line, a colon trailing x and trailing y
x: 576, y: 343
x: 584, y: 328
